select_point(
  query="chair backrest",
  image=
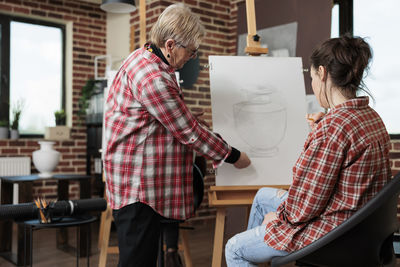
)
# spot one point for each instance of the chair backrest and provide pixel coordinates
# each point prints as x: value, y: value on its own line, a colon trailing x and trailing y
x: 365, y: 239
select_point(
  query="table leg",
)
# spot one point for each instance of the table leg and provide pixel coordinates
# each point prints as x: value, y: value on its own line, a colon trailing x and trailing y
x: 218, y: 237
x: 84, y: 192
x: 77, y: 246
x: 25, y: 195
x: 31, y: 244
x: 6, y: 225
x: 62, y: 233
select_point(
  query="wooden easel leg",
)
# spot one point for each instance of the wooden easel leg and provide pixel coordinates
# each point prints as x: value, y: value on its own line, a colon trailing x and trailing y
x: 218, y: 237
x: 105, y: 237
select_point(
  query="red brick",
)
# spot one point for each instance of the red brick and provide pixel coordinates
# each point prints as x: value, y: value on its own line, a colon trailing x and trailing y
x: 17, y: 143
x: 9, y: 151
x: 22, y: 10
x: 5, y: 7
x: 396, y: 145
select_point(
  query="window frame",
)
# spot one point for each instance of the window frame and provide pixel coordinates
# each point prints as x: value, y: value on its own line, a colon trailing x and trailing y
x: 5, y: 21
x: 345, y: 16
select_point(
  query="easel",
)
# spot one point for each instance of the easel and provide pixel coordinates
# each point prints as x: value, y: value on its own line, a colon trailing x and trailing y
x: 222, y: 197
x: 253, y: 47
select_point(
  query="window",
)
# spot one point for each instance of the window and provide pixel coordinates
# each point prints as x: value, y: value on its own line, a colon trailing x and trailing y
x: 335, y: 21
x: 383, y: 80
x: 32, y: 72
x: 357, y: 17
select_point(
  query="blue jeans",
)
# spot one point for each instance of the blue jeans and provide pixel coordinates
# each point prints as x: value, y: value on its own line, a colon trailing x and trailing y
x: 248, y: 248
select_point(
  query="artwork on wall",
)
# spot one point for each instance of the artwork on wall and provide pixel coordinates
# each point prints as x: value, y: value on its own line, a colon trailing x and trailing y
x: 259, y: 106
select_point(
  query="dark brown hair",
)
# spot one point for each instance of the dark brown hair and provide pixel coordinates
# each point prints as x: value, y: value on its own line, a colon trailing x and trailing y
x: 345, y: 60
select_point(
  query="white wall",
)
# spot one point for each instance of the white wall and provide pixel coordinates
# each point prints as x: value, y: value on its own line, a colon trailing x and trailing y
x: 118, y: 33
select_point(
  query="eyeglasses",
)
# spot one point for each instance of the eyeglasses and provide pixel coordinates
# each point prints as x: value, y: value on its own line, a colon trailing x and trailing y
x: 193, y: 52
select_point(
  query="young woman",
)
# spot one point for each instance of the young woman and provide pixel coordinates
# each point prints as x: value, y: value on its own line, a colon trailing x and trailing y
x: 344, y: 163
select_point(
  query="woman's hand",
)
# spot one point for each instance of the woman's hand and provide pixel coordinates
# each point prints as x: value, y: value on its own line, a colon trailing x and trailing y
x: 314, y: 118
x: 243, y: 161
x: 270, y: 216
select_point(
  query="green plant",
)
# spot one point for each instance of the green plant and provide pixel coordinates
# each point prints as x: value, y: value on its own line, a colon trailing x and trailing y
x: 60, y: 117
x: 4, y: 123
x: 83, y: 102
x: 16, y: 111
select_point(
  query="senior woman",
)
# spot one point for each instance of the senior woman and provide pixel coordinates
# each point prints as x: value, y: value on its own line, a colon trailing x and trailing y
x: 151, y: 136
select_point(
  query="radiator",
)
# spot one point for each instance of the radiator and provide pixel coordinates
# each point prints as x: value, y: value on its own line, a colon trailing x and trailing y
x: 14, y: 166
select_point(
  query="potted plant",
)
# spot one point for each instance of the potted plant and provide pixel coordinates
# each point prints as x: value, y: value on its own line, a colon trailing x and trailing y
x: 3, y: 129
x: 60, y: 117
x: 16, y: 111
x: 60, y: 131
x: 91, y: 88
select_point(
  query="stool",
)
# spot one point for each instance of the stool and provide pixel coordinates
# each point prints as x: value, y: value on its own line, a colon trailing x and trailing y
x: 181, y: 247
x: 31, y: 225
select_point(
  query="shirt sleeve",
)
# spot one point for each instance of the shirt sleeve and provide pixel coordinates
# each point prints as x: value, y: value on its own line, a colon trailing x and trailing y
x: 166, y: 105
x: 314, y: 178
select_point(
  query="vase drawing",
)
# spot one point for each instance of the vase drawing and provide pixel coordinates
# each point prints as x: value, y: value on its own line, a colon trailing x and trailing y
x: 45, y: 159
x: 260, y: 121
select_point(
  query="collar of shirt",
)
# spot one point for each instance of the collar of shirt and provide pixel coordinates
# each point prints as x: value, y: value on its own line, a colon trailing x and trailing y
x: 157, y: 51
x: 355, y: 103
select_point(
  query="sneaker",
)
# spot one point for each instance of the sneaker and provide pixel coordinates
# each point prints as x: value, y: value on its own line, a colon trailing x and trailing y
x: 172, y: 259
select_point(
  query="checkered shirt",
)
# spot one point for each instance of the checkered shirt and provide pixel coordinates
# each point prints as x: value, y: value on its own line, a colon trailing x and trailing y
x: 150, y: 136
x: 344, y: 163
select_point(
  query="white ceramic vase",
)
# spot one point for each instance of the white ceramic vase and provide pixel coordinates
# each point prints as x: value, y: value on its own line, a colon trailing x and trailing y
x: 45, y: 159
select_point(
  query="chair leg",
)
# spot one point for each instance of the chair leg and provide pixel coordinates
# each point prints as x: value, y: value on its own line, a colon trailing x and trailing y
x: 186, y: 250
x: 160, y: 258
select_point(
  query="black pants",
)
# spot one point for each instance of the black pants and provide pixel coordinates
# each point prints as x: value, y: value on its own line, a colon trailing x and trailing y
x: 138, y: 230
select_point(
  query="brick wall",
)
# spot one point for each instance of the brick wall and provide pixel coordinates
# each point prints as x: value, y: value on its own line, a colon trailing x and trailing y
x: 89, y: 40
x: 395, y: 156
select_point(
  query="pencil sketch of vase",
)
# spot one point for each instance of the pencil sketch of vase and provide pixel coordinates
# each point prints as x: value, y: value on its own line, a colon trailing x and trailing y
x: 260, y: 121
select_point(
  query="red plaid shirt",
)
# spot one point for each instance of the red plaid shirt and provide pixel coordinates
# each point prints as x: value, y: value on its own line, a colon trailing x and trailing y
x: 345, y: 162
x: 151, y: 136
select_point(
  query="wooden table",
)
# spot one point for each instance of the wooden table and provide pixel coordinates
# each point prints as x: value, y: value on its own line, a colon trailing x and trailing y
x: 25, y: 195
x: 222, y: 197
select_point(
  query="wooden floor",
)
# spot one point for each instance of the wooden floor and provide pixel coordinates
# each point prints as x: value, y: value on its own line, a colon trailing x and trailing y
x: 45, y: 254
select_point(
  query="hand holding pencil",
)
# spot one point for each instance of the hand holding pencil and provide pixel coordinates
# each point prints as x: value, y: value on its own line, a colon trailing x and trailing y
x: 314, y: 118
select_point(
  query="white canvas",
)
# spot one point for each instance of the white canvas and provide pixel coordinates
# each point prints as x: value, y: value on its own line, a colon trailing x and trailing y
x: 259, y: 106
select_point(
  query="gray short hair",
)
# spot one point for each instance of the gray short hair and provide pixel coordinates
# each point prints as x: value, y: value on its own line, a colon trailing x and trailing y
x: 177, y: 22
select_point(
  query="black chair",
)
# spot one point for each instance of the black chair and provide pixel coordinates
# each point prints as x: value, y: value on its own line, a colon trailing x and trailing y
x: 365, y: 239
x: 199, y: 171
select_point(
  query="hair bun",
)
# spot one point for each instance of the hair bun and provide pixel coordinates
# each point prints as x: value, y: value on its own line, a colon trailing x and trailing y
x: 345, y: 59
